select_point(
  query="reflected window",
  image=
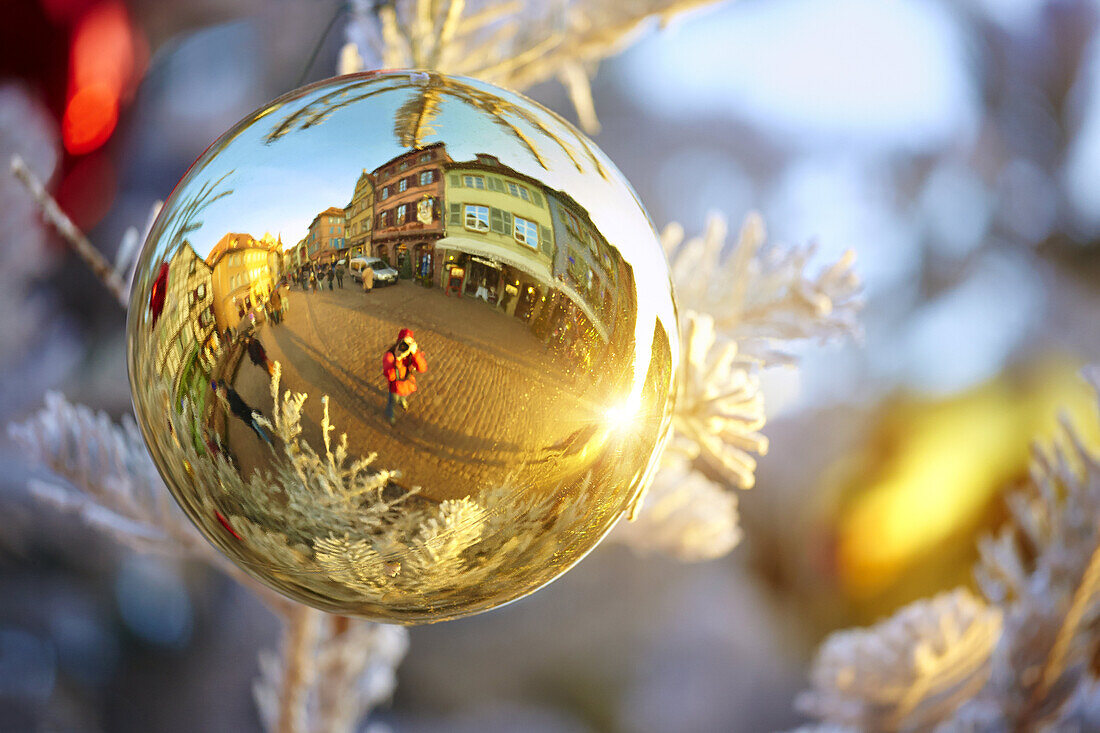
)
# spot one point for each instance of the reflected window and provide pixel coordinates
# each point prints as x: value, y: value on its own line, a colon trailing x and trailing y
x: 404, y: 165
x: 402, y: 210
x: 473, y: 182
x: 426, y: 178
x: 527, y: 232
x: 477, y: 218
x: 403, y: 184
x: 572, y: 224
x: 518, y: 191
x: 425, y: 157
x: 385, y: 193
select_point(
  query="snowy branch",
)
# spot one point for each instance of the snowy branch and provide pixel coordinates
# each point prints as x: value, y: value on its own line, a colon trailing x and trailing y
x: 332, y: 671
x: 512, y: 43
x: 739, y: 311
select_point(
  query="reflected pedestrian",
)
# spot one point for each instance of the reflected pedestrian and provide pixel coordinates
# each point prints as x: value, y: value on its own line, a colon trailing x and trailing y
x: 275, y: 306
x: 368, y: 279
x: 398, y: 364
x: 340, y: 274
x: 240, y: 409
x: 329, y: 275
x: 258, y: 355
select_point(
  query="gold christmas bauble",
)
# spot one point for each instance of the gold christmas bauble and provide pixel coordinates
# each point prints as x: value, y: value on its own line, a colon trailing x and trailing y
x: 402, y: 345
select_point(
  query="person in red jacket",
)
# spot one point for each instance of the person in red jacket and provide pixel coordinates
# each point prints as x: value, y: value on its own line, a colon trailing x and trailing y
x: 398, y: 364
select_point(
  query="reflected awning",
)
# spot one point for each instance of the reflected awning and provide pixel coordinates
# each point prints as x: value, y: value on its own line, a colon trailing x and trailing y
x: 526, y: 261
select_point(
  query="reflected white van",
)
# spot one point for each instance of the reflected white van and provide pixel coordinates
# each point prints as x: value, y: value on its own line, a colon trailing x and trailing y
x: 383, y: 273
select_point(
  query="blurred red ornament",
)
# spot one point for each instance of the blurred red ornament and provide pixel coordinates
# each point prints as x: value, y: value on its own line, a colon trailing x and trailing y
x: 158, y: 292
x: 104, y: 66
x: 90, y: 118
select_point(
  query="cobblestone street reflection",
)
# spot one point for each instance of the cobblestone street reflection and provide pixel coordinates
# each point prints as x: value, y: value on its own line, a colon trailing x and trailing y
x: 495, y: 401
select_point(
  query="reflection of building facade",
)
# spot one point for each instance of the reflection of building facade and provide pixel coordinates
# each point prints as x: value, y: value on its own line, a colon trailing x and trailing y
x: 325, y: 242
x: 359, y: 217
x: 299, y: 255
x: 585, y: 262
x: 187, y: 344
x: 408, y: 215
x: 244, y: 271
x: 499, y: 244
x: 275, y: 262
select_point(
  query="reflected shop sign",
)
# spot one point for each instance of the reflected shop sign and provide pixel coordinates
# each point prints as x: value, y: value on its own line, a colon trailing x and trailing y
x: 483, y: 261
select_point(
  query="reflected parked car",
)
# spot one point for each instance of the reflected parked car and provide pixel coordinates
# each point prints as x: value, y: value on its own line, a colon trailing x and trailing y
x: 383, y: 273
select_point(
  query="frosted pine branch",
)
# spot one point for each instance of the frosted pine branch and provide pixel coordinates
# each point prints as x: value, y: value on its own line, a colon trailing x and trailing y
x: 330, y: 673
x: 105, y: 476
x: 685, y: 515
x: 1041, y: 576
x: 719, y: 409
x: 909, y: 671
x: 512, y: 43
x: 738, y: 312
x: 760, y: 295
x: 1043, y: 568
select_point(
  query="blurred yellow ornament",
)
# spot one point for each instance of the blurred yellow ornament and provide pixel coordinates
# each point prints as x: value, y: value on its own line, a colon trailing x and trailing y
x: 441, y: 380
x: 916, y: 496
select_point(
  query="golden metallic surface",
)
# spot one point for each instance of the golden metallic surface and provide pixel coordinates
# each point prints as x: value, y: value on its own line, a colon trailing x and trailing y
x: 449, y: 439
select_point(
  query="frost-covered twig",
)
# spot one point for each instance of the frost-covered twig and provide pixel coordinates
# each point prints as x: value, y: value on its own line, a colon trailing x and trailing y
x: 1041, y: 575
x: 69, y: 231
x: 298, y: 671
x: 349, y: 668
x: 685, y: 515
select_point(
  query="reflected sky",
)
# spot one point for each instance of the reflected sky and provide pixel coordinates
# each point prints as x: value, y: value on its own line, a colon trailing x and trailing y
x: 279, y: 187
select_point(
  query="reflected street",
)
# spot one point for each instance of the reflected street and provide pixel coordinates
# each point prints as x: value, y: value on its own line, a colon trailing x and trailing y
x: 481, y: 411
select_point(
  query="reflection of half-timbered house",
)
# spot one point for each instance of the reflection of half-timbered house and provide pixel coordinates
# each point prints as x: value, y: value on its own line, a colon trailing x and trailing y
x: 326, y: 242
x: 359, y: 217
x: 244, y: 271
x: 597, y: 277
x: 408, y: 216
x: 187, y: 343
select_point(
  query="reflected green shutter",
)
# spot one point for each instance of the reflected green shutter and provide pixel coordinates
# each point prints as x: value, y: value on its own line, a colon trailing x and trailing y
x: 456, y: 215
x: 456, y: 181
x: 496, y: 220
x: 544, y: 239
x: 535, y: 198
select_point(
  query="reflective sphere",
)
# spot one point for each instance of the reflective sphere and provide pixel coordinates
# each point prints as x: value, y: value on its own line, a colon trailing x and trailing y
x: 402, y: 345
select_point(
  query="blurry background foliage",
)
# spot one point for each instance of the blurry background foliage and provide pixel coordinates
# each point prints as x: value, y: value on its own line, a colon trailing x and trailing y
x: 954, y: 145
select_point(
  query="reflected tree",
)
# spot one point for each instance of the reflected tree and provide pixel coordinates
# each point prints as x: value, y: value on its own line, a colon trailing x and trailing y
x: 413, y: 120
